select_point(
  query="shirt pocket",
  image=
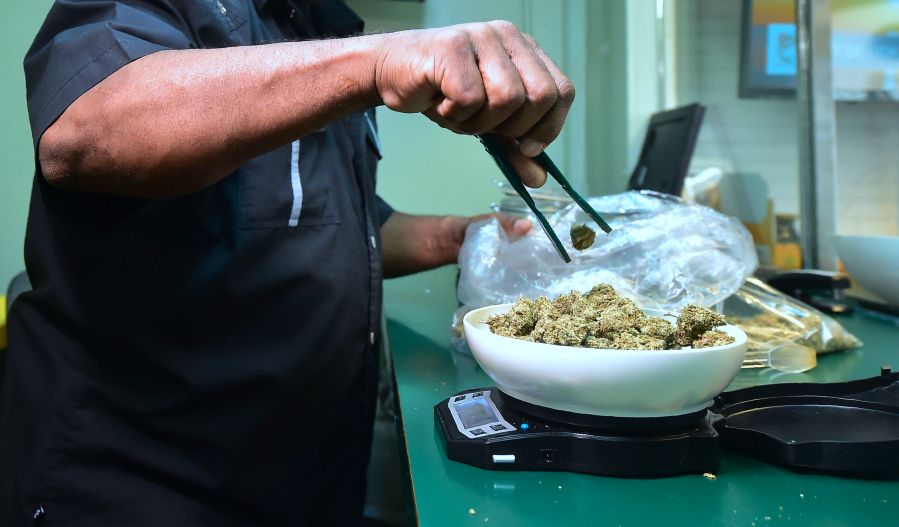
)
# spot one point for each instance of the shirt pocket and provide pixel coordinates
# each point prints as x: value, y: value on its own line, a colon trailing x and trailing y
x: 290, y: 187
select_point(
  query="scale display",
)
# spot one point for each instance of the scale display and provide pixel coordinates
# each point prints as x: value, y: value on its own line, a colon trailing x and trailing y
x: 476, y: 415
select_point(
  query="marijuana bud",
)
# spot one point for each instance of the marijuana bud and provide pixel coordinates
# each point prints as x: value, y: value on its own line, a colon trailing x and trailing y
x: 604, y: 319
x: 582, y: 237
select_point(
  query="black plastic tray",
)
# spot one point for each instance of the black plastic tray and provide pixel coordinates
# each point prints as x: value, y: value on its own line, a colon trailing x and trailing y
x: 850, y: 428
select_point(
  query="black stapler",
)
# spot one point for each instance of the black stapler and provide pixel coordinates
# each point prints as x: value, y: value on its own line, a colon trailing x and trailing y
x: 824, y: 290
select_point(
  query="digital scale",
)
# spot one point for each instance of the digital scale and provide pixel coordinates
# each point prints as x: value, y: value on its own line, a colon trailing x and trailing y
x: 850, y: 428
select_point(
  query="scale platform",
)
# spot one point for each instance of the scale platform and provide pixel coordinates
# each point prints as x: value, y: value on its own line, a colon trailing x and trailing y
x: 849, y: 428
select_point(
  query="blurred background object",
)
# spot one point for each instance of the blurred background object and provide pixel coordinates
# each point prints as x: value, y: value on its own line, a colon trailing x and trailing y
x: 667, y: 150
x: 783, y: 330
x: 787, y: 252
x: 873, y: 262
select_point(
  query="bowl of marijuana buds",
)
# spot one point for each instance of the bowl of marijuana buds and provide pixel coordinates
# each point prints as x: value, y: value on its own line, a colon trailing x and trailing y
x: 598, y: 353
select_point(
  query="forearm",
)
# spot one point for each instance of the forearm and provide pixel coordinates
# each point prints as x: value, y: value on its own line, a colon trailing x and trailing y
x: 176, y: 121
x: 417, y: 243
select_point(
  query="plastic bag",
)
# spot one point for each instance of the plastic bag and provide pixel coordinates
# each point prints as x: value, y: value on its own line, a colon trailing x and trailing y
x: 772, y: 319
x: 662, y: 253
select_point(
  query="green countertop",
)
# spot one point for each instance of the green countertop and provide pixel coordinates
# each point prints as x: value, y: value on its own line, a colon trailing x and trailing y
x: 746, y: 492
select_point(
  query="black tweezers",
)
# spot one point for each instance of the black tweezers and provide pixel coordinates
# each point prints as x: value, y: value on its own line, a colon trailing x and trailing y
x: 495, y: 147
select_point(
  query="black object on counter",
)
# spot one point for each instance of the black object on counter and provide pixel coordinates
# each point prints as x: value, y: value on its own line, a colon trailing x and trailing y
x: 847, y: 428
x: 514, y: 439
x: 667, y: 150
x: 823, y: 290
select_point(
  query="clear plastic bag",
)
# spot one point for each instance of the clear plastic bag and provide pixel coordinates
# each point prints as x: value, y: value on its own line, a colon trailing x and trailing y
x: 776, y: 322
x: 662, y: 253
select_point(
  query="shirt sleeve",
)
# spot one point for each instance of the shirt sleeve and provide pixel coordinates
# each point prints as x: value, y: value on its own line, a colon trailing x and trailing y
x: 384, y: 210
x: 81, y: 43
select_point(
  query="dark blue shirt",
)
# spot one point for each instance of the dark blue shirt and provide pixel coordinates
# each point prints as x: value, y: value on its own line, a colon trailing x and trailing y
x: 207, y: 359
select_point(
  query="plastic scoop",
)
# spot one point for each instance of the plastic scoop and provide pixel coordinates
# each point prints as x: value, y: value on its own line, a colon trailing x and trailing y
x: 787, y: 357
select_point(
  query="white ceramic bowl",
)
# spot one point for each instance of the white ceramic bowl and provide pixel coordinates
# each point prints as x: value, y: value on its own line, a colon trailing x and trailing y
x: 873, y: 262
x: 618, y: 383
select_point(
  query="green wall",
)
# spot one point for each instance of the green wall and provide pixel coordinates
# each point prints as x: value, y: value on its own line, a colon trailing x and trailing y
x: 18, y: 25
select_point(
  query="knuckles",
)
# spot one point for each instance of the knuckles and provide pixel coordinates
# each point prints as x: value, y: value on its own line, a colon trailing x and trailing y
x: 566, y: 91
x: 455, y: 41
x: 504, y: 27
x: 508, y: 98
x: 466, y: 101
x: 531, y: 41
x: 544, y: 96
x: 526, y: 103
x: 482, y: 32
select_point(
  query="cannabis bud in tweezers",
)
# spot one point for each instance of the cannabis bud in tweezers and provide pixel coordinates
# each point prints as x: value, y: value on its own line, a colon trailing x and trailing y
x: 582, y: 237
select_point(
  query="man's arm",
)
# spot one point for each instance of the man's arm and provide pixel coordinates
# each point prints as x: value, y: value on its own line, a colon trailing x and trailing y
x: 418, y: 243
x: 174, y: 122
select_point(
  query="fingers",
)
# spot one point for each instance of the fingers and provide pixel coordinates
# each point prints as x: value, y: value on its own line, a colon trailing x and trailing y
x: 540, y: 86
x: 525, y: 94
x: 550, y: 125
x: 492, y: 78
x: 457, y: 74
x: 514, y: 227
x: 503, y: 85
x: 531, y: 173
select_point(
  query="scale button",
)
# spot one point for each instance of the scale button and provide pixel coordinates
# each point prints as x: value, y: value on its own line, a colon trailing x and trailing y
x: 477, y: 394
x: 458, y: 398
x: 477, y: 432
x: 498, y: 428
x: 504, y: 458
x: 525, y: 426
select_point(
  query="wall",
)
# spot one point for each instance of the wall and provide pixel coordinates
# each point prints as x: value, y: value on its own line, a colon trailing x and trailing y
x: 868, y: 168
x: 755, y: 135
x: 604, y: 95
x: 744, y: 135
x: 18, y: 26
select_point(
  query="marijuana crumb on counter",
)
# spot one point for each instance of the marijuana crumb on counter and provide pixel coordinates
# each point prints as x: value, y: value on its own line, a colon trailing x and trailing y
x: 582, y: 237
x: 604, y: 319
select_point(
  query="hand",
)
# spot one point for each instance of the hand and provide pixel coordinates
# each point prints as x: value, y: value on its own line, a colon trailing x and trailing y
x: 418, y: 243
x: 475, y: 78
x: 514, y: 228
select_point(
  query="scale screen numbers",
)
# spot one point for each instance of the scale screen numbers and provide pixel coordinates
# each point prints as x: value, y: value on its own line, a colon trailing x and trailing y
x: 475, y: 412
